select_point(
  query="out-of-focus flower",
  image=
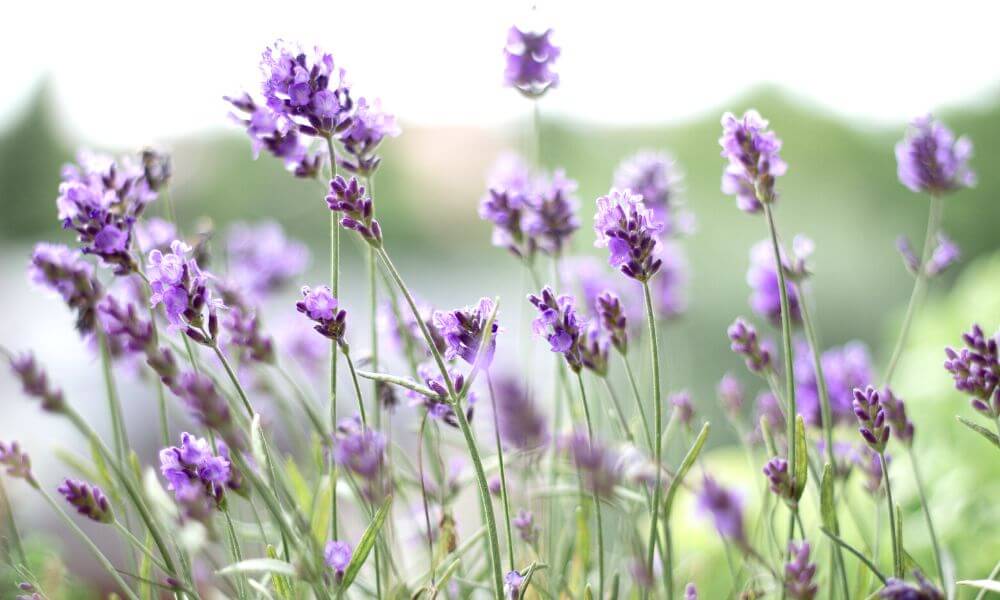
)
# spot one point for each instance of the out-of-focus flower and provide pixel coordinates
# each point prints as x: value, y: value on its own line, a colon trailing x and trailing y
x: 64, y: 271
x: 613, y: 319
x: 320, y: 306
x: 154, y: 233
x: 762, y: 276
x: 35, y: 382
x: 362, y: 451
x: 524, y: 522
x: 681, y: 401
x: 769, y: 410
x: 156, y: 168
x: 654, y: 176
x: 895, y: 413
x: 198, y: 392
x: 745, y: 342
x: 262, y: 259
x: 369, y: 126
x: 594, y: 348
x: 521, y: 423
x: 897, y: 589
x: 530, y: 59
x: 351, y: 201
x: 799, y: 572
x: 463, y: 330
x: 754, y: 160
x: 439, y: 407
x: 89, y: 500
x: 669, y: 286
x: 121, y: 321
x: 690, y: 592
x: 630, y: 232
x: 844, y: 367
x: 307, y: 88
x: 512, y: 583
x: 16, y: 461
x: 976, y: 370
x: 868, y: 460
x: 598, y: 464
x: 404, y: 330
x: 731, y: 394
x: 871, y: 418
x: 337, y: 556
x: 945, y: 253
x: 559, y: 324
x: 929, y: 158
x: 725, y: 508
x: 552, y: 218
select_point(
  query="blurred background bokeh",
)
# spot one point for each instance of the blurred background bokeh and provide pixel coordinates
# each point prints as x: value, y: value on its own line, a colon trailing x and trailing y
x: 838, y: 89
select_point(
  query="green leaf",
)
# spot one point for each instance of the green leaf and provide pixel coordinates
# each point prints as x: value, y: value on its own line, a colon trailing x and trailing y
x: 259, y: 565
x: 986, y: 433
x: 983, y: 584
x: 281, y: 584
x: 688, y: 462
x: 801, y: 458
x: 765, y: 432
x: 365, y: 546
x: 827, y: 508
x: 588, y: 594
x: 260, y: 588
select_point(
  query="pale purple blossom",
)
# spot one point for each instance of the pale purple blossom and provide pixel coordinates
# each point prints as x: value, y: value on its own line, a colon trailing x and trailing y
x: 762, y: 276
x: 724, y: 507
x: 262, y: 259
x: 530, y: 59
x: 630, y: 232
x: 931, y: 160
x: 754, y: 160
x: 463, y: 331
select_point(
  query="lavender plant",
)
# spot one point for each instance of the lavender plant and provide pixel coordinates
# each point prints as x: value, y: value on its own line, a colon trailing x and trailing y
x: 257, y: 495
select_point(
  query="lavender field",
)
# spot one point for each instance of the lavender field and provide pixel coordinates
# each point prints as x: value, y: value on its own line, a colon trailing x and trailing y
x: 319, y: 351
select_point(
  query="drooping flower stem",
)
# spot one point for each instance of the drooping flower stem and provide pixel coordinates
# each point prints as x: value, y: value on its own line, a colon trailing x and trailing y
x: 503, y: 471
x: 463, y: 423
x: 927, y: 512
x: 597, y: 500
x: 335, y: 290
x: 896, y: 558
x: 657, y: 426
x: 919, y: 283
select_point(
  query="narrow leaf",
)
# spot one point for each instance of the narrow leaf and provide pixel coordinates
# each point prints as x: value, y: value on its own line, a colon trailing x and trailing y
x: 259, y: 565
x: 827, y: 509
x: 365, y: 546
x: 983, y: 584
x: 801, y: 457
x: 765, y: 432
x: 689, y: 459
x: 986, y: 433
x: 281, y: 584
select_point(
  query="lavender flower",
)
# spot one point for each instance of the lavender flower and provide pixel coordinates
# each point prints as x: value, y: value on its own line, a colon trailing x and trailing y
x: 505, y: 204
x: 594, y: 348
x: 361, y: 451
x: 897, y: 589
x: 976, y: 370
x: 654, y: 176
x: 28, y: 588
x: 598, y: 465
x: 404, y: 329
x: 244, y: 334
x: 194, y: 473
x: 463, y: 330
x: 765, y: 297
x: 64, y: 271
x: 690, y: 592
x: 780, y: 480
x: 520, y: 422
x: 613, y: 320
x: 319, y: 305
x: 669, y: 298
x: 368, y: 127
x: 844, y: 367
x: 931, y: 160
x: 681, y: 401
x: 524, y: 522
x: 870, y: 464
x: 559, y: 324
x: 552, y: 218
x: 895, y: 414
x: 208, y: 407
x: 745, y: 343
x: 731, y: 394
x: 530, y: 58
x: 871, y: 417
x: 725, y: 509
x: 278, y: 134
x: 306, y: 88
x: 945, y: 253
x: 35, y: 382
x: 262, y: 258
x: 799, y: 573
x: 754, y: 160
x: 350, y: 199
x: 337, y: 556
x: 631, y: 233
x: 512, y: 583
x: 88, y: 500
x: 17, y: 462
x: 439, y: 407
x: 181, y: 287
x: 121, y: 321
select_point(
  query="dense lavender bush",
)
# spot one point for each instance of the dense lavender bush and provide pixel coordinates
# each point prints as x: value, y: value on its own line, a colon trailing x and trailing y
x: 533, y: 482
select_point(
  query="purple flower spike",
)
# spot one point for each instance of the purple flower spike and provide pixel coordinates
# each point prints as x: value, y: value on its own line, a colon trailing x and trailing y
x: 35, y: 382
x: 197, y: 476
x: 871, y: 418
x: 731, y: 394
x: 754, y: 160
x: 976, y: 370
x: 895, y: 413
x: 337, y: 556
x: 262, y: 258
x: 897, y: 589
x: 530, y: 58
x: 463, y: 331
x: 598, y: 464
x: 594, y: 349
x: 765, y: 297
x: 799, y: 573
x: 350, y: 199
x: 681, y: 401
x: 521, y: 423
x: 438, y: 406
x: 88, y: 500
x: 277, y: 134
x: 845, y: 367
x: 559, y: 324
x: 512, y: 583
x: 744, y: 340
x: 931, y: 160
x: 655, y: 177
x: 181, y: 287
x: 524, y: 522
x: 208, y: 407
x: 369, y: 126
x: 506, y: 204
x: 725, y: 509
x: 17, y: 462
x: 870, y: 464
x: 630, y: 232
x: 122, y: 321
x: 779, y: 479
x: 362, y: 452
x: 64, y: 271
x: 612, y: 316
x: 319, y: 305
x: 552, y: 218
x: 307, y: 88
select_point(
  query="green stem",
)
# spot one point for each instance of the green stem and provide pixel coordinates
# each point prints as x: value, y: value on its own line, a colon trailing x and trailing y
x: 15, y: 537
x: 234, y: 379
x: 139, y: 545
x: 335, y: 290
x: 597, y: 500
x: 919, y: 283
x: 503, y: 472
x: 618, y: 410
x: 927, y: 512
x: 657, y: 432
x: 373, y: 302
x: 990, y: 577
x: 357, y: 387
x: 840, y: 542
x: 638, y: 399
x: 114, y: 404
x: 896, y: 562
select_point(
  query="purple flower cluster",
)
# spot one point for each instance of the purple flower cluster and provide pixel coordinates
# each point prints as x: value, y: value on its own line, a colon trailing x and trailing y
x: 319, y: 305
x: 871, y: 417
x: 655, y: 177
x: 16, y: 461
x: 349, y: 198
x: 64, y: 271
x: 154, y: 233
x: 404, y: 330
x: 307, y: 88
x: 870, y: 464
x: 361, y: 451
x: 463, y: 330
x: 438, y: 406
x: 524, y: 522
x: 181, y: 287
x: 262, y: 258
x: 369, y: 126
x: 976, y: 370
x: 121, y: 321
x: 101, y: 199
x: 779, y: 479
x: 337, y: 555
x: 898, y: 589
x: 552, y: 218
x: 844, y: 367
x: 612, y: 317
x: 595, y: 345
x: 945, y: 253
x: 530, y: 58
x: 725, y: 508
x: 521, y: 423
x: 745, y: 342
x: 683, y: 409
x: 762, y: 276
x: 669, y: 287
x: 89, y: 500
x: 277, y: 134
x: 35, y: 382
x: 195, y: 474
x: 244, y: 333
x: 512, y: 583
x: 895, y: 413
x: 598, y: 464
x: 559, y: 324
x: 754, y: 160
x: 800, y: 573
x: 630, y: 232
x: 929, y: 158
x: 731, y: 395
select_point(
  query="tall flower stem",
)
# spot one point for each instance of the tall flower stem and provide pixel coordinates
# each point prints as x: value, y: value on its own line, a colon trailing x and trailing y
x: 354, y: 380
x: 918, y: 478
x: 638, y: 399
x: 373, y: 301
x: 658, y: 427
x: 121, y: 444
x: 896, y: 559
x: 335, y: 290
x: 463, y: 423
x: 786, y: 339
x: 503, y: 472
x: 597, y: 500
x: 919, y: 283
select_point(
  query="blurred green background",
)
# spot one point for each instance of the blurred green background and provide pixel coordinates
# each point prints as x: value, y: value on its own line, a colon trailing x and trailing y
x: 841, y: 190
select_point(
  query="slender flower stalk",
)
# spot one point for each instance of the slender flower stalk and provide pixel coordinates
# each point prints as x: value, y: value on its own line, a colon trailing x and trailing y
x: 657, y: 427
x: 505, y: 497
x: 335, y: 289
x: 596, y: 497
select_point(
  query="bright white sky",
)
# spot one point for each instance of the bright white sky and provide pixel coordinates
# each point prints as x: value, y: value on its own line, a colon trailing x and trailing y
x: 133, y: 72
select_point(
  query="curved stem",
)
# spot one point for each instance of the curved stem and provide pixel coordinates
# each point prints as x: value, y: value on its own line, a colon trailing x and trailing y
x: 597, y: 500
x: 234, y: 379
x: 503, y: 472
x: 657, y: 433
x: 896, y: 562
x: 919, y: 283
